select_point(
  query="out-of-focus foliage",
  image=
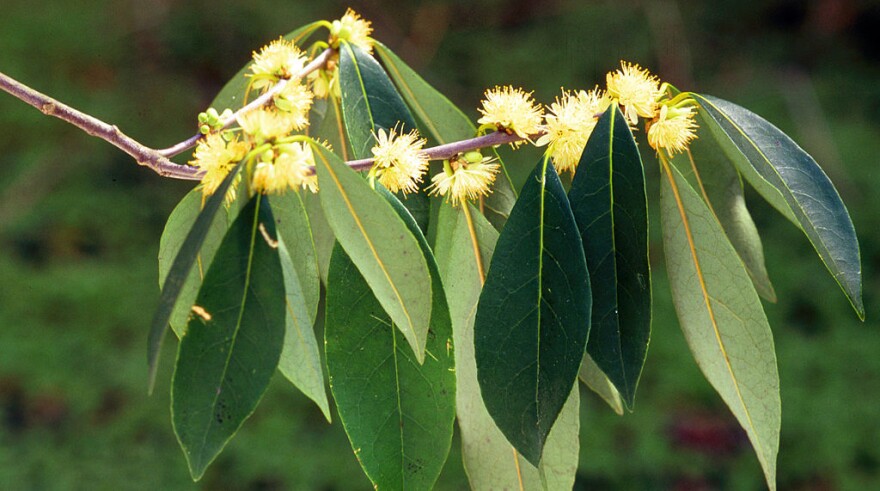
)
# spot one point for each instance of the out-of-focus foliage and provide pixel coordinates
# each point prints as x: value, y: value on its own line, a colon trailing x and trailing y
x: 79, y: 228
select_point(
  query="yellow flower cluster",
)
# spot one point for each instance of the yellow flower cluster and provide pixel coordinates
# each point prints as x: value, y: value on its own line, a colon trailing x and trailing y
x: 511, y: 110
x: 398, y: 161
x: 670, y: 121
x: 466, y: 178
x: 353, y: 29
x: 276, y: 158
x: 569, y: 124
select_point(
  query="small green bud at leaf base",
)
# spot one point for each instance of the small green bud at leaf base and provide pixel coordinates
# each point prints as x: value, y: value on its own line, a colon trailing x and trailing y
x: 268, y: 156
x: 227, y: 113
x: 473, y: 157
x: 212, y: 113
x: 335, y: 28
x: 204, y: 129
x: 203, y: 117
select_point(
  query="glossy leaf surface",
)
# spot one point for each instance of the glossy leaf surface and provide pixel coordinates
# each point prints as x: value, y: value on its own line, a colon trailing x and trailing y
x: 610, y: 206
x: 814, y: 204
x: 721, y: 316
x: 233, y: 341
x: 180, y: 272
x: 489, y: 459
x: 371, y: 103
x: 397, y: 412
x: 179, y: 223
x: 445, y: 123
x: 380, y: 244
x: 533, y: 315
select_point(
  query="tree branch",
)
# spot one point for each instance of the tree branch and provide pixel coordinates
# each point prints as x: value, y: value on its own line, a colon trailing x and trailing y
x: 144, y: 155
x: 449, y: 150
x: 316, y: 63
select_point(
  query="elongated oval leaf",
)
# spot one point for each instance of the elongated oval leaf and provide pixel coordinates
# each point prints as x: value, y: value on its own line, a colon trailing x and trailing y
x: 815, y: 205
x: 721, y: 316
x: 717, y: 180
x: 533, y: 315
x: 370, y: 103
x: 380, y: 244
x: 179, y: 223
x: 292, y: 223
x: 300, y: 358
x: 610, y: 206
x: 445, y: 123
x: 397, y: 412
x: 233, y: 340
x: 179, y: 273
x: 489, y: 459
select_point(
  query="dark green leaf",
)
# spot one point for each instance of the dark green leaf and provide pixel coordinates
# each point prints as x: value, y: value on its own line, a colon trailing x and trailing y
x: 397, y: 412
x: 489, y: 459
x: 179, y: 223
x: 380, y: 244
x: 300, y: 359
x: 533, y: 315
x: 709, y: 171
x: 768, y: 158
x: 721, y: 316
x: 179, y: 273
x: 233, y: 340
x: 370, y: 103
x: 445, y: 123
x: 610, y: 206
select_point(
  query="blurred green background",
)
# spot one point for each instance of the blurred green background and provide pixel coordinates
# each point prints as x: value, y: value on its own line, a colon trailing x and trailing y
x: 80, y: 226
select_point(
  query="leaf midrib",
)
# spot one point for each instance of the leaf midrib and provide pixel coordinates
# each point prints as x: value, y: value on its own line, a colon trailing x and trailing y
x: 614, y: 247
x: 707, y: 299
x: 370, y: 244
x: 247, y: 282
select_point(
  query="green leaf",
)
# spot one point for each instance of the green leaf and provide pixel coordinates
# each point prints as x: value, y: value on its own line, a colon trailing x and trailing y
x: 593, y: 377
x: 370, y: 103
x: 380, y: 244
x: 489, y: 459
x: 322, y: 234
x: 232, y: 94
x: 179, y: 274
x: 610, y: 206
x: 300, y: 359
x: 397, y: 412
x: 533, y: 315
x: 445, y: 123
x: 721, y: 316
x: 767, y: 157
x: 233, y: 341
x: 709, y: 171
x: 179, y: 223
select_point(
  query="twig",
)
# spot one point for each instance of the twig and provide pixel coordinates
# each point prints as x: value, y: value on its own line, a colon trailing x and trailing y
x: 316, y: 63
x: 144, y: 155
x: 448, y: 150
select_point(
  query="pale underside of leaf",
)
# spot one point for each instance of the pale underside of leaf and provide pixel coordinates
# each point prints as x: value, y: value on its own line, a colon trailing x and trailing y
x: 721, y: 316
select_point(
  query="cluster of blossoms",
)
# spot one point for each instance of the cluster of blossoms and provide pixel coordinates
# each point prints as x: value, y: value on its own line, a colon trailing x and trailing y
x: 670, y: 121
x: 268, y: 139
x: 278, y: 157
